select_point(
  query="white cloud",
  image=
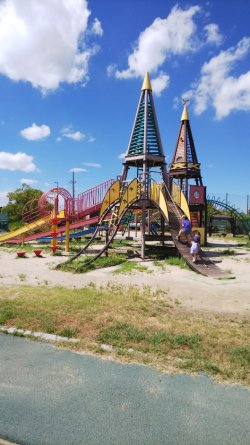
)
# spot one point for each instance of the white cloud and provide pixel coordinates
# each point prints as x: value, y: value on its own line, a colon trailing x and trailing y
x: 92, y: 164
x: 212, y: 34
x: 160, y: 83
x: 28, y: 181
x: 218, y: 88
x: 174, y: 35
x: 111, y: 70
x: 17, y: 161
x: 97, y: 28
x: 91, y: 139
x: 3, y: 198
x: 67, y: 129
x: 122, y: 156
x: 77, y: 170
x: 176, y: 102
x: 76, y: 136
x: 47, y: 184
x: 44, y: 42
x: 35, y: 133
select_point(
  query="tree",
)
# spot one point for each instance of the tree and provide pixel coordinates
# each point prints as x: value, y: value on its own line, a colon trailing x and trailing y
x: 18, y: 199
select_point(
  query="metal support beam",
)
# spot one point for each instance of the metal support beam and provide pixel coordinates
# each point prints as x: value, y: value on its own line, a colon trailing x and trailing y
x: 143, y: 229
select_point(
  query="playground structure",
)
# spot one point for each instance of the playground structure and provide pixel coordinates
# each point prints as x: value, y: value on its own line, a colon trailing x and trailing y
x: 153, y: 196
x: 50, y: 221
x: 238, y: 223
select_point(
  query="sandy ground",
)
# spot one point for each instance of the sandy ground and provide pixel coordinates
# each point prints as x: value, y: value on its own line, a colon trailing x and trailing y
x: 194, y: 291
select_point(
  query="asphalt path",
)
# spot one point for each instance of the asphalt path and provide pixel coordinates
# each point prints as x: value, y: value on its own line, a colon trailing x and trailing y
x: 50, y: 396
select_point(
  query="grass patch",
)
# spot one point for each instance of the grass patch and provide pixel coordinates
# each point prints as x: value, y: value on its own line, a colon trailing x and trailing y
x: 175, y: 261
x: 142, y: 325
x: 82, y: 265
x: 241, y: 356
x: 68, y: 332
x: 228, y: 252
x: 6, y: 313
x: 159, y: 264
x: 122, y: 242
x: 129, y: 336
x: 129, y: 267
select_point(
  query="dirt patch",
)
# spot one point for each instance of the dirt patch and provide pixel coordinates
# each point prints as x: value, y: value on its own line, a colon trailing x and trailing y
x: 194, y: 292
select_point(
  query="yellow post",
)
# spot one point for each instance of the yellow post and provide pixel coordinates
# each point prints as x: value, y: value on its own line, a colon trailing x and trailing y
x: 67, y: 237
x: 53, y: 233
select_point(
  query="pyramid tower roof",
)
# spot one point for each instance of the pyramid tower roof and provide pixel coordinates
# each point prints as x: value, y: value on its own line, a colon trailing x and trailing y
x: 145, y: 141
x: 185, y: 162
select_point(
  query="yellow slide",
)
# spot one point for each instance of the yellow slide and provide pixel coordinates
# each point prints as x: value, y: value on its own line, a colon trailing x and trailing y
x: 25, y: 229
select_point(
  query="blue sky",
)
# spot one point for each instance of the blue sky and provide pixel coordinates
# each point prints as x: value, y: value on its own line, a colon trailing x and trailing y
x: 71, y: 73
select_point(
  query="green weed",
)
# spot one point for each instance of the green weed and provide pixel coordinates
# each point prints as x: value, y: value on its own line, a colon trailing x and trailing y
x: 22, y: 276
x: 126, y: 334
x: 174, y: 261
x: 128, y: 267
x: 68, y: 332
x: 241, y: 355
x: 6, y: 313
x: 228, y: 252
x: 100, y: 263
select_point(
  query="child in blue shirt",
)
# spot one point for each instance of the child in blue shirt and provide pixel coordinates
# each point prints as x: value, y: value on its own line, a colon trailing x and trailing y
x: 186, y: 228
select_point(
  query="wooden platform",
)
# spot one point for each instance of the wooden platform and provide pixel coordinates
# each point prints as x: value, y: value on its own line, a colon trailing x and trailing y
x: 203, y: 265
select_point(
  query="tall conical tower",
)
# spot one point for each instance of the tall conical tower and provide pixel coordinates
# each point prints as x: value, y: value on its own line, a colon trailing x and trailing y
x: 145, y: 148
x: 145, y: 152
x: 185, y: 168
x: 185, y: 165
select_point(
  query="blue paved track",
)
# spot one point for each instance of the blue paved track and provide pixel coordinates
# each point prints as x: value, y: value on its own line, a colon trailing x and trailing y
x: 56, y: 397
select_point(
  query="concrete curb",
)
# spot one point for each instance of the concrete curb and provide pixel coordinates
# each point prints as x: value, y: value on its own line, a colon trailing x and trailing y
x: 40, y: 335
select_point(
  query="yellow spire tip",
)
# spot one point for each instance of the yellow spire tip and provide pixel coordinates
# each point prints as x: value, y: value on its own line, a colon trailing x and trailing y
x: 184, y: 116
x: 146, y: 83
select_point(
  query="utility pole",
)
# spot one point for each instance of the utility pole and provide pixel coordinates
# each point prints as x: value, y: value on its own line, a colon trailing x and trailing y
x: 247, y: 204
x: 73, y: 182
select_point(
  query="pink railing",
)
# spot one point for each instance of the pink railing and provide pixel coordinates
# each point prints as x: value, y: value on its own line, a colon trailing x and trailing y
x: 90, y: 200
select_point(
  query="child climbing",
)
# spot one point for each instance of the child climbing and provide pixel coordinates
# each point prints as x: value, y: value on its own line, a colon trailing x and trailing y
x: 186, y: 229
x: 195, y: 247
